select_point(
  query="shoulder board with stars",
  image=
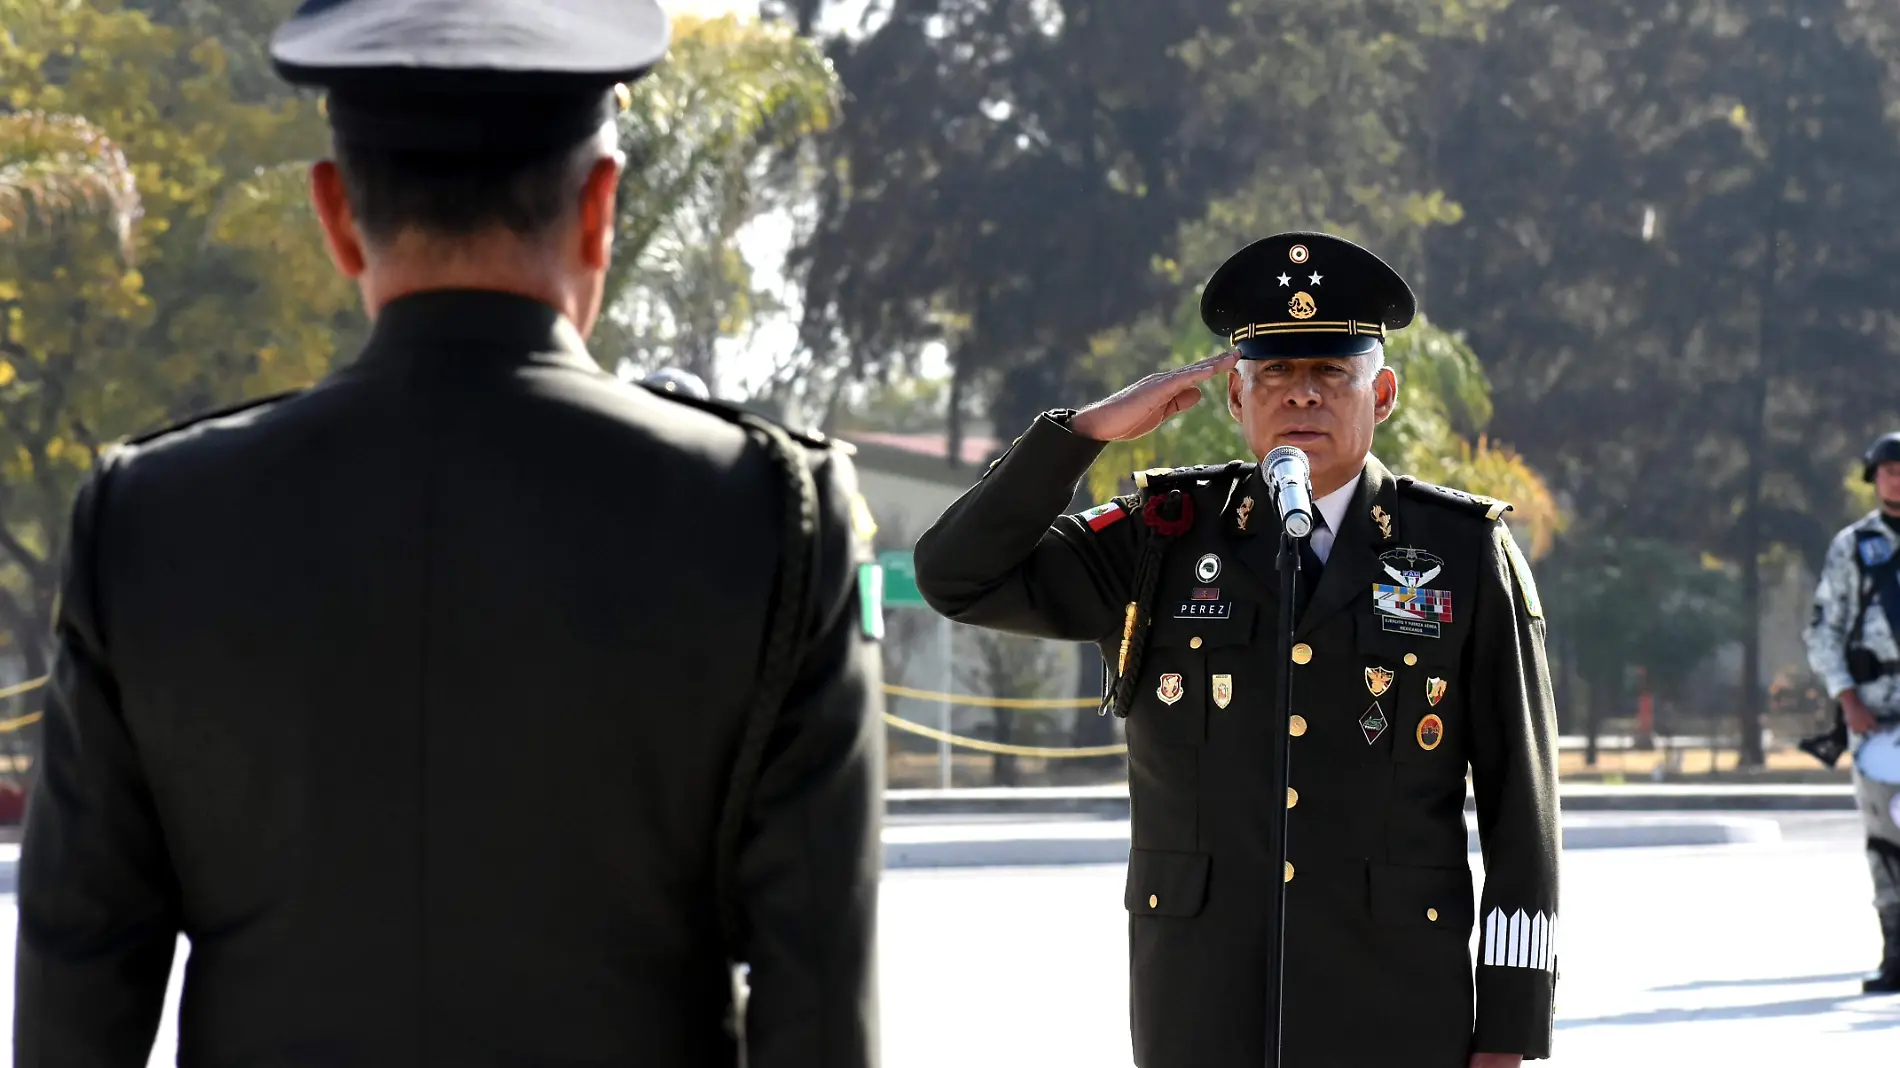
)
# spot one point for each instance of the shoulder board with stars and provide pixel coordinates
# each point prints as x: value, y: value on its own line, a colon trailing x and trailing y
x: 1458, y: 500
x: 207, y: 416
x: 1155, y: 477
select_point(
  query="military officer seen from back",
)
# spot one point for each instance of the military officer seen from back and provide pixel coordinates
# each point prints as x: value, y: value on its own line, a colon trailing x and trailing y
x: 404, y: 698
x: 1419, y: 655
x: 1851, y: 646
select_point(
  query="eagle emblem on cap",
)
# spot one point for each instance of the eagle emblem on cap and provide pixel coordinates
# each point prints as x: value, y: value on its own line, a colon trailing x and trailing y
x: 1302, y: 306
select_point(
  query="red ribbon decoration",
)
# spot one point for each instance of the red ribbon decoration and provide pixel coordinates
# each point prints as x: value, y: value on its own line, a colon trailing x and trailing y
x: 1151, y: 514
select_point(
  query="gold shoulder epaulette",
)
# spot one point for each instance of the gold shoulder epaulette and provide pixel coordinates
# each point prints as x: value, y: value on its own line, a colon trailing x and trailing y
x: 1489, y: 508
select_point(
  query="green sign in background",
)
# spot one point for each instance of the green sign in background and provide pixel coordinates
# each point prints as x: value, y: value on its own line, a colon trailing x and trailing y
x: 900, y: 579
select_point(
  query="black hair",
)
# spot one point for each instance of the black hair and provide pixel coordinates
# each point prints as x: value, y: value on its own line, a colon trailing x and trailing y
x: 451, y: 195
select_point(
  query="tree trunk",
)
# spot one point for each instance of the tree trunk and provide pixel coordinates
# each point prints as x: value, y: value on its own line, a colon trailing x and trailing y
x: 1593, y: 693
x: 1755, y: 443
x: 1003, y: 765
x: 953, y: 425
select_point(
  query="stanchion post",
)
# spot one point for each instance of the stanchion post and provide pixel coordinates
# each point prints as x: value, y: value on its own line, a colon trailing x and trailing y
x: 1281, y: 761
x: 944, y: 639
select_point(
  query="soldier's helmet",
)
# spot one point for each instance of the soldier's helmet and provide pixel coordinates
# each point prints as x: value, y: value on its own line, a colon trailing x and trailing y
x: 674, y: 380
x: 1884, y: 450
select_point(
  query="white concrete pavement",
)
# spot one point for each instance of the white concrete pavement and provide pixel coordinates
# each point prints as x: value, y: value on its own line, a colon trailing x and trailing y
x: 1743, y: 955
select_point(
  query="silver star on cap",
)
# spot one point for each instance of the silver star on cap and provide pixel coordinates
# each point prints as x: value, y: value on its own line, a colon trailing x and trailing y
x: 1316, y: 278
x: 1284, y: 280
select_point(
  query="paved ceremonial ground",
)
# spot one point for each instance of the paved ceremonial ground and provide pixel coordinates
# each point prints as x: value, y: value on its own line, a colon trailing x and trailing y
x: 1745, y: 956
x: 1741, y: 956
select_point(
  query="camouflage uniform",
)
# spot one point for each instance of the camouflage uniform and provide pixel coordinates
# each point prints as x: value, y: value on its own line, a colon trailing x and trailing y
x: 1846, y: 588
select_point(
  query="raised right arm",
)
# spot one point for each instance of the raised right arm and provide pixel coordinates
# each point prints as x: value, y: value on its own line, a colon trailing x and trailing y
x: 1006, y: 558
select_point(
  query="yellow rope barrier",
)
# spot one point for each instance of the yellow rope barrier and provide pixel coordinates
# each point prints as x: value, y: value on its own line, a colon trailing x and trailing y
x: 994, y: 702
x: 983, y: 746
x: 979, y: 744
x: 26, y: 687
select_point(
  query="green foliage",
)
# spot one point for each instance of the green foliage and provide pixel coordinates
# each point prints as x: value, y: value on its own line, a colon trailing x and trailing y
x: 719, y: 134
x: 53, y: 167
x: 231, y: 296
x: 1640, y: 603
x: 904, y: 403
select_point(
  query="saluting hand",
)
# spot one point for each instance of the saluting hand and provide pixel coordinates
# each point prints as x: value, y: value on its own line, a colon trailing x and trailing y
x: 1497, y: 1060
x: 1860, y: 719
x: 1150, y: 402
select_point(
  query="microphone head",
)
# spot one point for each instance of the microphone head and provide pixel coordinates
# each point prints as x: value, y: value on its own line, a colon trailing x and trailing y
x: 1286, y: 461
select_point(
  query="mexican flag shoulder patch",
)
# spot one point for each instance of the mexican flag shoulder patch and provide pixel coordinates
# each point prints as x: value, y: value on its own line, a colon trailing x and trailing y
x: 1103, y: 515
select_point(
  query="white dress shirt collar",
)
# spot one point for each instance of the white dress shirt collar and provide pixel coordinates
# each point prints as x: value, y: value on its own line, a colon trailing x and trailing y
x: 1332, y: 508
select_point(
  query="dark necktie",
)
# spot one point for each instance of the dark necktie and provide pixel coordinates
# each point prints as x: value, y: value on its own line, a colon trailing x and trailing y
x: 1310, y: 566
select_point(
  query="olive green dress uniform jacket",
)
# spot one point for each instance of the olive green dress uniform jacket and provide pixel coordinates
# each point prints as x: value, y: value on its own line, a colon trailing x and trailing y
x: 413, y: 701
x: 1379, y: 970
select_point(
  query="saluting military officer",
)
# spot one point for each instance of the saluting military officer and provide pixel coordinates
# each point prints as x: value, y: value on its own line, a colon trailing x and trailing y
x: 403, y: 699
x: 1851, y: 646
x: 1419, y: 656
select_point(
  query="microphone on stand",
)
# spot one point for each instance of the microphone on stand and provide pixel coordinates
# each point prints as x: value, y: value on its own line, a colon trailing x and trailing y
x: 1289, y: 476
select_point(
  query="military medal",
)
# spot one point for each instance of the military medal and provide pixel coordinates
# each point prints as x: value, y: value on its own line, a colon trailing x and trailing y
x: 1379, y: 680
x: 1434, y: 691
x: 1373, y: 723
x: 1170, y: 689
x: 1223, y: 690
x: 1431, y: 731
x: 1207, y: 568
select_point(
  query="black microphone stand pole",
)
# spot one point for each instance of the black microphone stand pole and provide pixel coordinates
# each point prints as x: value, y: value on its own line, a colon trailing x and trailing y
x: 1281, y: 750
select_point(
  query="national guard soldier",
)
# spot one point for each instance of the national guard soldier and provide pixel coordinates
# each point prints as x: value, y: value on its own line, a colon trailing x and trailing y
x: 1420, y: 653
x: 1851, y: 647
x: 404, y: 699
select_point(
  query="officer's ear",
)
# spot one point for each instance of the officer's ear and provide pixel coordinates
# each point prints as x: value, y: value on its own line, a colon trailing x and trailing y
x: 597, y: 212
x: 1236, y: 385
x: 1385, y: 393
x: 332, y: 205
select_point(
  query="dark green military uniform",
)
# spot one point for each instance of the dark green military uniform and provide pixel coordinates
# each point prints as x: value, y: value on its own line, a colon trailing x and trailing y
x: 1419, y: 658
x: 472, y: 707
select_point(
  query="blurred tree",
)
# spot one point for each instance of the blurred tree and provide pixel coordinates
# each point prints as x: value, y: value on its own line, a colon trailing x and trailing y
x: 1677, y: 244
x: 1617, y: 605
x: 719, y: 135
x: 1010, y: 173
x: 56, y: 167
x: 242, y: 28
x: 231, y: 296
